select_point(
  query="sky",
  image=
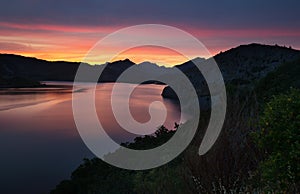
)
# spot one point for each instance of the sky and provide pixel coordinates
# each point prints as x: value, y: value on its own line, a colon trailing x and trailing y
x: 66, y: 30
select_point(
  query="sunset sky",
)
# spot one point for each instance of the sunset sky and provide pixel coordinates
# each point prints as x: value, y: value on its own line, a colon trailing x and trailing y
x: 66, y: 30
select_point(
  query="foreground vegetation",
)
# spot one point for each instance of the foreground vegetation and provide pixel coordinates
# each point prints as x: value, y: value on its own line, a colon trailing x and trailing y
x: 96, y: 176
x: 279, y: 139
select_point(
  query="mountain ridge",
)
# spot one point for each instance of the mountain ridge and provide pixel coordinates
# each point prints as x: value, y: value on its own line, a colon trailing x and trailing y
x: 241, y: 64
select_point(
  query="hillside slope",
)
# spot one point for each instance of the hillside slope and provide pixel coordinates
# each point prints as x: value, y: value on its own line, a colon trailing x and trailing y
x: 240, y: 66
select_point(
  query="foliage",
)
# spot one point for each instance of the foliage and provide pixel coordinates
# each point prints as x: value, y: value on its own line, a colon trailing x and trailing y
x: 226, y: 167
x: 279, y: 139
x: 163, y: 180
x: 96, y: 176
x: 279, y: 81
x: 161, y: 135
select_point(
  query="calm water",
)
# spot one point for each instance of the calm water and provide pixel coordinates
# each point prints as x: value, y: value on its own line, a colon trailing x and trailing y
x: 39, y: 142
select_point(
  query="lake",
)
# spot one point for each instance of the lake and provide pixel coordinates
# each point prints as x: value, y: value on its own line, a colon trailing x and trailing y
x: 39, y: 142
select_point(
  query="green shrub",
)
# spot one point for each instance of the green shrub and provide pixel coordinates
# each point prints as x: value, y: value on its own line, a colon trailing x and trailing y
x: 279, y: 139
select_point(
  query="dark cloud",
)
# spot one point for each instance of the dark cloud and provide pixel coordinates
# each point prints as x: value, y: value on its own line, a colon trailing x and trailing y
x: 210, y: 14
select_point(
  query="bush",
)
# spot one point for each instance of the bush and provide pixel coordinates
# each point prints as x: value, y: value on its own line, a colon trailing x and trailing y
x: 279, y: 140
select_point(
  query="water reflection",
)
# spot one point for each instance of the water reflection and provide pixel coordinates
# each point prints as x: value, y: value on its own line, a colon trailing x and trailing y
x: 39, y: 142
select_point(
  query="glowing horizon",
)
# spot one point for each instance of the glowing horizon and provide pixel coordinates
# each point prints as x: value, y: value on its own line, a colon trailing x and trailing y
x: 71, y: 43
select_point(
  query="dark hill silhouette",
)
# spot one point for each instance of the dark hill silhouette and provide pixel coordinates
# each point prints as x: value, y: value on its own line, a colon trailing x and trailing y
x: 36, y: 69
x: 14, y: 67
x: 241, y: 66
x: 253, y: 61
x: 190, y: 64
x: 113, y: 70
x: 247, y: 62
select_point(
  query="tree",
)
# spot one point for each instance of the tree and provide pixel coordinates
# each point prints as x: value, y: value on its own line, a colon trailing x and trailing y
x: 279, y: 138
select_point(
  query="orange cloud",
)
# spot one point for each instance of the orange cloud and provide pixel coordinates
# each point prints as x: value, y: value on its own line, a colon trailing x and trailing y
x: 71, y: 43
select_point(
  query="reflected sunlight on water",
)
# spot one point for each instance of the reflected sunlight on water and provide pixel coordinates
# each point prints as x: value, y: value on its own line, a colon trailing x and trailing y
x: 39, y: 139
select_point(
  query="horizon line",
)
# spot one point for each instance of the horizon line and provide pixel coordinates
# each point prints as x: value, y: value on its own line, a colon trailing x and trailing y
x: 137, y: 63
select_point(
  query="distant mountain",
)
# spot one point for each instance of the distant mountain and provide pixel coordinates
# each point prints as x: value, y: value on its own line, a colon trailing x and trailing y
x: 253, y: 61
x: 152, y: 68
x: 113, y: 70
x: 246, y: 62
x: 28, y: 68
x: 190, y: 64
x: 240, y: 66
x: 148, y: 71
x: 15, y: 67
x: 36, y: 69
